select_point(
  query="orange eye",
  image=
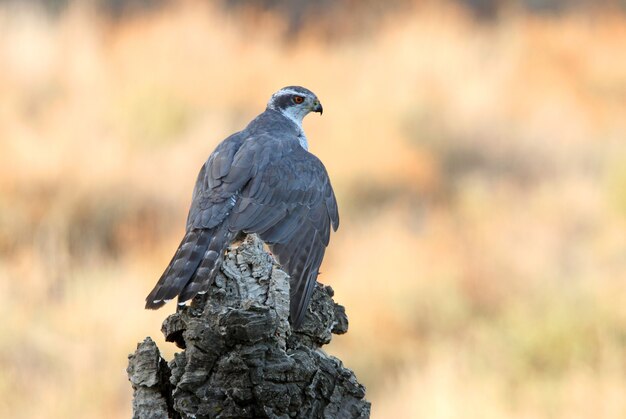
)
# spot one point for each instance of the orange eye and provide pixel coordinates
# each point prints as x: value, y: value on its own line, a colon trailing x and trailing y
x: 298, y: 99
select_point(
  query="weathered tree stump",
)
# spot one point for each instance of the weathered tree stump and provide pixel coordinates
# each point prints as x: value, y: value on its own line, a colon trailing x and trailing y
x: 241, y: 359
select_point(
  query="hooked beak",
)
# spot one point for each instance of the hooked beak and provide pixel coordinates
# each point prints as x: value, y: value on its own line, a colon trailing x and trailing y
x: 317, y: 107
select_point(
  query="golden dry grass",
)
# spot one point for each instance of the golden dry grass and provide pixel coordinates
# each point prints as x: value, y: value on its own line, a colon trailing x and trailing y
x: 479, y: 169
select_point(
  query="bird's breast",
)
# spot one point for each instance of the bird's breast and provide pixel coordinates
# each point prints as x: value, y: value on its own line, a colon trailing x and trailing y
x: 303, y: 141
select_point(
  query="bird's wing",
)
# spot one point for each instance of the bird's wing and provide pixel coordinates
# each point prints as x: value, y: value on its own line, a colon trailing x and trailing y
x: 290, y: 203
x: 214, y: 196
x: 217, y: 186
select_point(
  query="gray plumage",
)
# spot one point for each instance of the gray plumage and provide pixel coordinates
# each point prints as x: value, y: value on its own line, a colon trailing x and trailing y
x: 260, y: 180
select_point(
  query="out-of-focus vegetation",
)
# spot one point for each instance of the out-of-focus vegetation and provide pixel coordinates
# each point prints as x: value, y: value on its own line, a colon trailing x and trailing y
x: 479, y: 167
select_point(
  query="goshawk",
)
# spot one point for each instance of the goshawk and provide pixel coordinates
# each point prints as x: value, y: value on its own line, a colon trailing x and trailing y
x: 260, y: 180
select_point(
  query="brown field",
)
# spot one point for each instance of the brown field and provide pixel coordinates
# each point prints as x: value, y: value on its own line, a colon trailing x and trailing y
x: 480, y: 169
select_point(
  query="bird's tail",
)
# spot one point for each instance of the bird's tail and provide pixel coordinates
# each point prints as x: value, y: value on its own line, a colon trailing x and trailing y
x: 210, y: 265
x: 195, y: 263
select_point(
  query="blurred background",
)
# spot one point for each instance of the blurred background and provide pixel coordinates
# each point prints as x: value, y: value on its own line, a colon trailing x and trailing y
x: 477, y: 149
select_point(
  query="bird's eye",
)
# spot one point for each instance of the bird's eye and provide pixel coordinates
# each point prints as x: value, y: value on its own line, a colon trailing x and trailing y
x: 298, y: 99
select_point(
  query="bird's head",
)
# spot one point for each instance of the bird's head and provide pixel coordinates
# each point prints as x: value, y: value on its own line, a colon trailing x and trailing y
x: 295, y: 102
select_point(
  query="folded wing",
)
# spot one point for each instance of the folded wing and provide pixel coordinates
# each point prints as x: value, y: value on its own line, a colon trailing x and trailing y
x: 290, y: 204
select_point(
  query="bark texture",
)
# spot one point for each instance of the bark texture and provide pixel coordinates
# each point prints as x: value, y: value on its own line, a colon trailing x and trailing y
x: 241, y: 359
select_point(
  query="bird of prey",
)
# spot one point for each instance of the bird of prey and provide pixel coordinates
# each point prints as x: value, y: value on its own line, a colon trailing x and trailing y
x: 261, y: 180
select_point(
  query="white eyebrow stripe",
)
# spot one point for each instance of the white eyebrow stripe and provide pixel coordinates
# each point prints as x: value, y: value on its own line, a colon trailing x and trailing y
x: 288, y: 92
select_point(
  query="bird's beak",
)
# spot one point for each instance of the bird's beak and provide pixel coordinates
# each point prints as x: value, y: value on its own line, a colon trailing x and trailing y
x: 317, y: 107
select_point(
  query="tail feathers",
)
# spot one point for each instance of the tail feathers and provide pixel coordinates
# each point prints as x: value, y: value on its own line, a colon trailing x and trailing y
x: 186, y: 260
x: 211, y: 263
